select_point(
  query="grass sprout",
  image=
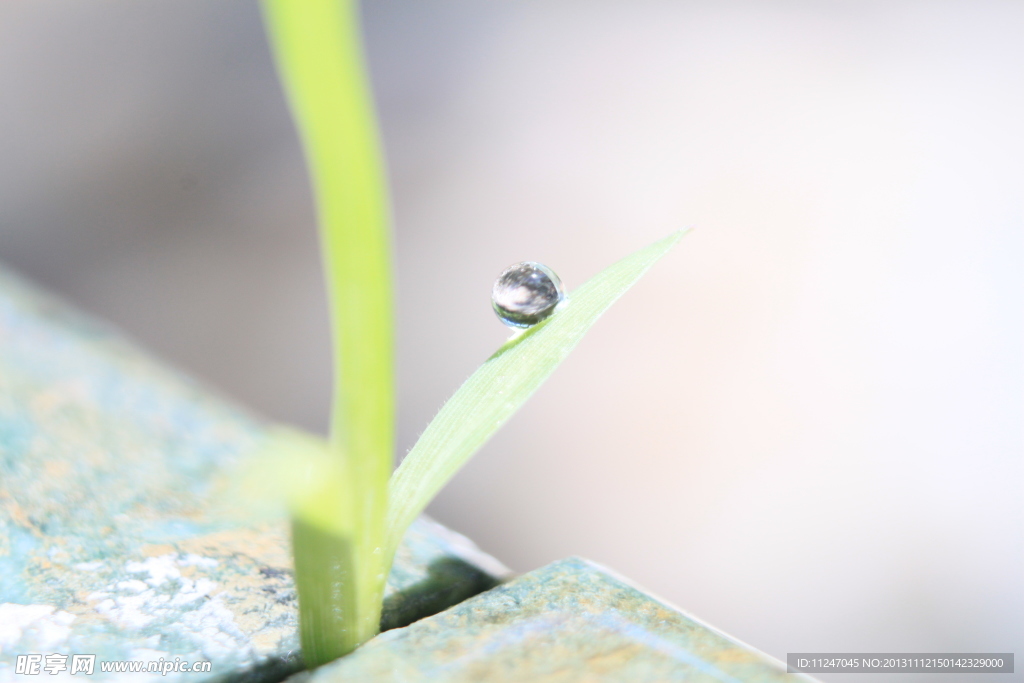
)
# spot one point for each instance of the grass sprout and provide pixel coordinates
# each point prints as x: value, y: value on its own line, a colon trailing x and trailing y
x: 316, y: 44
x: 349, y: 512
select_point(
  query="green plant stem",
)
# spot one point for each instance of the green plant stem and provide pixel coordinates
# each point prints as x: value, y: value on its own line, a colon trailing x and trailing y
x: 318, y: 51
x: 325, y: 561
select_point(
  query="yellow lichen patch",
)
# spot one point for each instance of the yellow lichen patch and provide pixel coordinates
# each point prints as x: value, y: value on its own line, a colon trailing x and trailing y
x: 266, y: 544
x: 57, y: 396
x: 17, y: 514
x: 59, y: 555
x: 265, y: 642
x: 56, y: 468
x: 155, y: 550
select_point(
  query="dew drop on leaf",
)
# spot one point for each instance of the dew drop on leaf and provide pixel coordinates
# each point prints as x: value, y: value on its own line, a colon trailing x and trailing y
x: 526, y: 293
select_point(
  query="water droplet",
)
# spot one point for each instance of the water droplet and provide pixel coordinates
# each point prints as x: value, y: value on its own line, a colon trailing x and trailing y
x: 526, y: 293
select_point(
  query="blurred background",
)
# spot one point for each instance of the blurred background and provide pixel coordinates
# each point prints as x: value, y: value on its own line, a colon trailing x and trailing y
x: 803, y: 426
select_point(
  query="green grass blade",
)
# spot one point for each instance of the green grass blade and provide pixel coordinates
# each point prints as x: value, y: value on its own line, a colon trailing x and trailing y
x: 317, y: 48
x: 501, y: 385
x: 319, y: 55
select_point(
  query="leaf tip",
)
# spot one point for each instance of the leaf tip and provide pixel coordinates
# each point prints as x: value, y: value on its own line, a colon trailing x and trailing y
x: 680, y: 233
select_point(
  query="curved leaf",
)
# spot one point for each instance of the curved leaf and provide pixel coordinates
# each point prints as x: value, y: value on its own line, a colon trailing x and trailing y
x: 501, y: 385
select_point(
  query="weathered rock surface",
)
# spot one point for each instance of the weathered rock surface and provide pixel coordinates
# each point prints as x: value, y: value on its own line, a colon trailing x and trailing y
x: 569, y: 621
x: 110, y: 466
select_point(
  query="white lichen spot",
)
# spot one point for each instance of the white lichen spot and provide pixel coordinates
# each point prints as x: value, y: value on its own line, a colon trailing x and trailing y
x: 164, y: 593
x: 192, y: 590
x: 213, y: 625
x: 193, y: 560
x: 160, y: 569
x: 132, y: 585
x: 42, y: 626
x: 191, y: 603
x: 89, y: 566
x: 131, y: 612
